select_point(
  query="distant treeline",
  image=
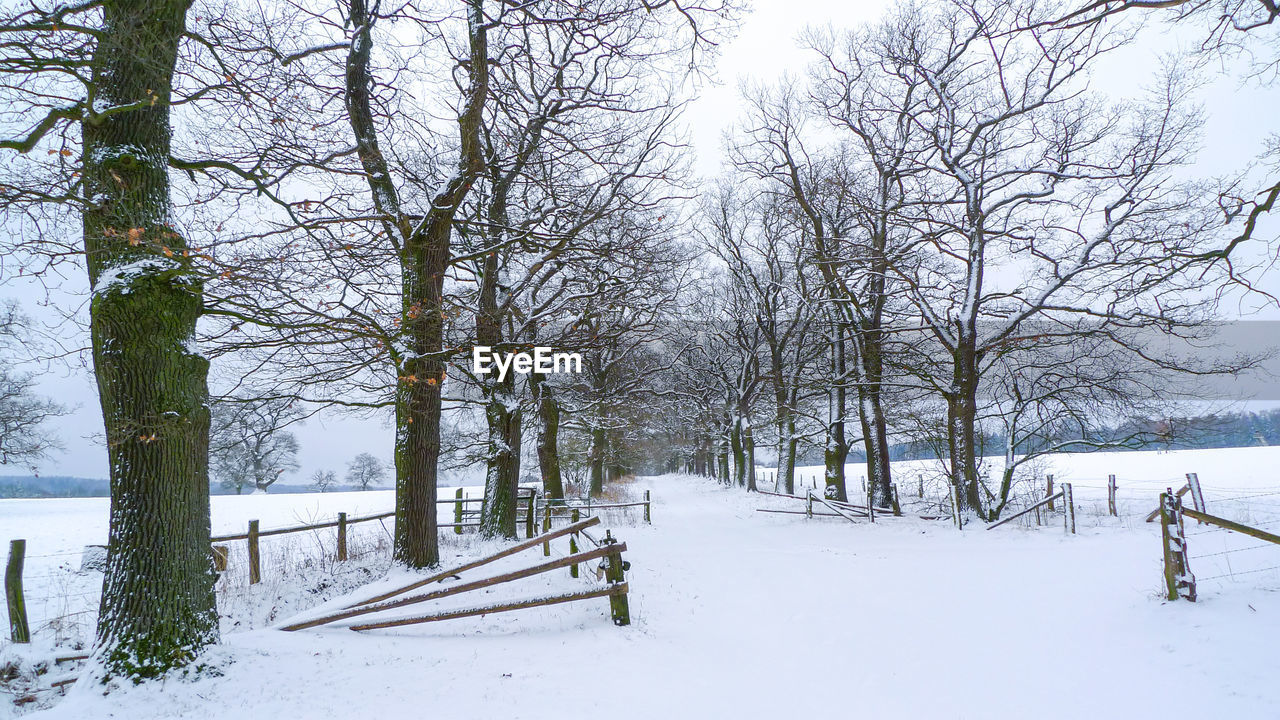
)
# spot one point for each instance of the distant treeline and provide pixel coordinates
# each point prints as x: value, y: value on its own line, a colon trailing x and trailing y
x: 1224, y: 430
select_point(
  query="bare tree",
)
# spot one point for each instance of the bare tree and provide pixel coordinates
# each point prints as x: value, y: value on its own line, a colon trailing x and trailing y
x: 1082, y: 196
x: 24, y: 433
x: 1240, y: 30
x: 323, y: 480
x: 365, y: 471
x: 248, y: 442
x: 767, y: 278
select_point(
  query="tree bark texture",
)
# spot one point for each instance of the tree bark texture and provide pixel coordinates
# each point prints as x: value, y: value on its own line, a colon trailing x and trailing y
x: 158, y: 606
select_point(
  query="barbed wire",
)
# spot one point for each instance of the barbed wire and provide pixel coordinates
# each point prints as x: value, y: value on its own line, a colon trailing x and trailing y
x: 1241, y: 572
x: 57, y: 554
x: 1233, y: 550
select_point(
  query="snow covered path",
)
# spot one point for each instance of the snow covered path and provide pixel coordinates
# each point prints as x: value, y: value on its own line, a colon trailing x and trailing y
x: 742, y: 614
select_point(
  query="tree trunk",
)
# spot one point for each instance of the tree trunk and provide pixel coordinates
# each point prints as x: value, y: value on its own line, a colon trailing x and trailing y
x: 749, y: 449
x: 785, y: 470
x: 875, y: 445
x: 836, y: 451
x: 597, y: 461
x: 871, y: 359
x: 785, y: 482
x: 498, y: 512
x: 785, y: 423
x: 787, y: 446
x: 739, y: 453
x: 158, y: 606
x: 418, y: 398
x: 962, y: 414
x: 424, y: 258
x: 722, y: 451
x: 548, y: 438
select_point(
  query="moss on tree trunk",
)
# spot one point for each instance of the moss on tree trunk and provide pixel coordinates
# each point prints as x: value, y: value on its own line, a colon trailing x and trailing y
x: 418, y: 399
x: 158, y: 606
x: 548, y: 437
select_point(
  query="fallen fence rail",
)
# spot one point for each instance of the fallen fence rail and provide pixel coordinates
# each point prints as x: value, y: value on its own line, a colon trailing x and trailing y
x: 1068, y: 510
x: 608, y: 550
x: 797, y: 512
x: 518, y: 547
x: 612, y: 592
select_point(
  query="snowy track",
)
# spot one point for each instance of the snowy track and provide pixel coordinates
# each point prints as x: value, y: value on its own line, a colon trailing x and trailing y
x: 739, y: 614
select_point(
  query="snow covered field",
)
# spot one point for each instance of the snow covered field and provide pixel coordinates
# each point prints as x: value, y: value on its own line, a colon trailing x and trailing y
x: 744, y: 614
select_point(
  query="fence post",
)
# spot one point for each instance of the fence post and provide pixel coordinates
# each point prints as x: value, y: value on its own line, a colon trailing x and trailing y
x: 808, y: 504
x: 1197, y: 498
x: 648, y: 501
x: 529, y: 530
x: 19, y: 631
x: 1048, y: 492
x: 920, y: 489
x: 897, y: 508
x: 1068, y: 510
x: 1111, y: 495
x: 871, y: 513
x: 457, y: 512
x: 573, y: 547
x: 342, y: 536
x: 546, y: 523
x: 255, y: 574
x: 1179, y: 582
x: 615, y: 573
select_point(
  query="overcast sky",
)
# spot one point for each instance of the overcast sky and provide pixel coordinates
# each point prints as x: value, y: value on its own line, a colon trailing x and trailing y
x: 1238, y: 121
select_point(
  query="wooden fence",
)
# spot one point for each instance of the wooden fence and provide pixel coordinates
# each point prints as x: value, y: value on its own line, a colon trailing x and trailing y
x: 612, y: 570
x: 526, y: 502
x: 528, y: 507
x: 563, y: 509
x: 1180, y: 582
x: 838, y: 508
x: 854, y: 512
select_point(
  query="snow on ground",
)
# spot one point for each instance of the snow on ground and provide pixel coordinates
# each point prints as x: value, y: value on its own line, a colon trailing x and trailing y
x: 744, y: 614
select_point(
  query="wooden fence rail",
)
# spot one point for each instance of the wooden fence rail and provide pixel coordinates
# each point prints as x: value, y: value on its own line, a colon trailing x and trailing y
x: 526, y: 502
x: 608, y: 551
x: 613, y: 592
x: 561, y: 509
x: 1231, y: 525
x: 531, y: 542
